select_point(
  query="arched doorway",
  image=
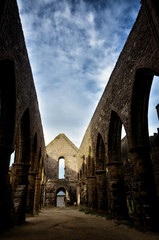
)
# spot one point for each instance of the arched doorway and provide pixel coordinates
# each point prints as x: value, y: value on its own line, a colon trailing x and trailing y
x: 21, y: 166
x: 60, y: 197
x: 102, y: 198
x: 146, y: 202
x: 117, y: 195
x: 32, y: 176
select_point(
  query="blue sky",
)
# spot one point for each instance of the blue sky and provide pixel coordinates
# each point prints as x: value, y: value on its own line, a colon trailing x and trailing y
x: 73, y: 46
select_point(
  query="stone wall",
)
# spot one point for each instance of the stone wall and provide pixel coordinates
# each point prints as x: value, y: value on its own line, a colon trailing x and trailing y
x: 125, y: 102
x: 20, y: 123
x: 61, y: 146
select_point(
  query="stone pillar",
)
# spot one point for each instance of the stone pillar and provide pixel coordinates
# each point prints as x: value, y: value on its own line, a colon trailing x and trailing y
x: 92, y: 192
x: 146, y: 202
x: 101, y: 191
x: 31, y: 191
x: 117, y: 196
x: 20, y: 186
x: 37, y: 195
x: 6, y: 203
x: 78, y: 195
x: 20, y: 174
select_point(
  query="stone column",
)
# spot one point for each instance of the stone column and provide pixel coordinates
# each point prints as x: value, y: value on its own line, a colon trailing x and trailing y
x: 92, y: 192
x: 20, y: 174
x: 31, y: 191
x: 117, y: 196
x: 78, y: 195
x: 20, y: 187
x: 37, y: 195
x: 146, y: 202
x: 6, y: 203
x: 101, y: 191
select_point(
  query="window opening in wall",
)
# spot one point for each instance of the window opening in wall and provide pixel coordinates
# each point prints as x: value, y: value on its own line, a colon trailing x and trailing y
x: 61, y: 168
x: 153, y: 102
x: 123, y: 133
x: 12, y: 158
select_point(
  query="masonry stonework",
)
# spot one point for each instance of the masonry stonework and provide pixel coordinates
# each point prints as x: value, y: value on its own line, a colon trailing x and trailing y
x: 114, y: 176
x: 116, y: 190
x: 61, y: 147
x: 20, y: 123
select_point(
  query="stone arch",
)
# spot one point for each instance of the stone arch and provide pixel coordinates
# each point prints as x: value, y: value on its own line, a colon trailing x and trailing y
x: 139, y: 107
x: 32, y: 176
x: 90, y: 163
x: 100, y: 154
x: 7, y: 129
x: 20, y: 168
x: 114, y: 138
x: 117, y: 194
x: 34, y: 157
x: 102, y: 196
x: 22, y: 152
x: 91, y: 181
x: 37, y: 194
x: 146, y: 199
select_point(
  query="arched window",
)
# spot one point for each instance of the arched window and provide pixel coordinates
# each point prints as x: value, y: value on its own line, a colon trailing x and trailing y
x: 100, y: 154
x: 12, y: 158
x: 61, y: 168
x: 115, y: 163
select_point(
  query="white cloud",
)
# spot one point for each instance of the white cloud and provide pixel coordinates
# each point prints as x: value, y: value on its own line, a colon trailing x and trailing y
x: 73, y: 46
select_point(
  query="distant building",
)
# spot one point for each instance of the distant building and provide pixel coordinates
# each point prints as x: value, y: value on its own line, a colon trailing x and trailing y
x: 61, y: 172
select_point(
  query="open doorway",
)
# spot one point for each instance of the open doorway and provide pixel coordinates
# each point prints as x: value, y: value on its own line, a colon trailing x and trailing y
x: 60, y: 197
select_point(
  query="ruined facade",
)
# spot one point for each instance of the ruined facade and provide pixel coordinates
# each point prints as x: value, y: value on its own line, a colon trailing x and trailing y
x: 61, y: 148
x: 20, y: 124
x: 120, y: 181
x: 104, y: 182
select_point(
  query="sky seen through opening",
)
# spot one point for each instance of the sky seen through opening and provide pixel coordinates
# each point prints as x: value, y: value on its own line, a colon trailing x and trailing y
x: 73, y: 46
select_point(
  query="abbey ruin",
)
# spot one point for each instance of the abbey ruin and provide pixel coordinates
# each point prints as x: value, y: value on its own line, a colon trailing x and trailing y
x: 119, y: 177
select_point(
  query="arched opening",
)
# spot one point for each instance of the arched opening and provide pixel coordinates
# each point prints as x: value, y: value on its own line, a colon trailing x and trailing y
x: 32, y: 176
x: 100, y: 154
x: 37, y: 194
x: 61, y: 168
x: 22, y: 154
x: 20, y: 168
x: 128, y: 172
x: 146, y: 194
x: 7, y: 130
x: 115, y: 172
x: 60, y: 197
x: 34, y: 159
x: 102, y: 198
x: 91, y: 181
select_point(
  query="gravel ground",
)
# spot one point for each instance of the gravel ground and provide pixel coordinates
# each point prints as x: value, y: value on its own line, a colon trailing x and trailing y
x: 71, y: 224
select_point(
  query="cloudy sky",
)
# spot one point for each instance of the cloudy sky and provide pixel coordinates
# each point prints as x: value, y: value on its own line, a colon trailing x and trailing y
x: 73, y: 46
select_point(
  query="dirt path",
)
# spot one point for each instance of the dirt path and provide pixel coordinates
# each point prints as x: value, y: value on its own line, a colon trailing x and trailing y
x: 70, y: 224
